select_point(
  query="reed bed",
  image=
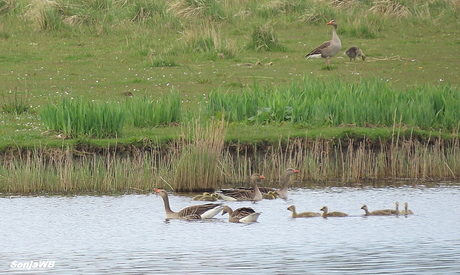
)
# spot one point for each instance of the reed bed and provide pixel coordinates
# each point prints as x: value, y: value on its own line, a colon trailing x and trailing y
x: 335, y: 103
x: 204, y: 162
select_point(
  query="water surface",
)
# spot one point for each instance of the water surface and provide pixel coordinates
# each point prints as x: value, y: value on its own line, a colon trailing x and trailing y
x: 129, y: 235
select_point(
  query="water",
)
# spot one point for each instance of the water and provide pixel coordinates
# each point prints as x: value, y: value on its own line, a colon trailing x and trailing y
x: 129, y: 235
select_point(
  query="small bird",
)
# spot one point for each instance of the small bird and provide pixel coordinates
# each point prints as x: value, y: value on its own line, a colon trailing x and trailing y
x: 406, y: 210
x: 384, y: 212
x: 302, y: 214
x: 329, y: 48
x: 332, y: 214
x: 354, y: 52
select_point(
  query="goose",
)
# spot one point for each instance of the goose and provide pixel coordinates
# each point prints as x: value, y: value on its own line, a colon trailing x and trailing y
x: 354, y: 52
x: 329, y: 48
x: 241, y: 215
x: 332, y: 214
x: 243, y: 194
x: 302, y: 214
x: 285, y: 181
x: 406, y: 210
x: 204, y: 211
x: 386, y: 212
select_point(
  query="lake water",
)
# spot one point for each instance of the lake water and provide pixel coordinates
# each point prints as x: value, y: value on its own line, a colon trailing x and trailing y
x: 129, y: 235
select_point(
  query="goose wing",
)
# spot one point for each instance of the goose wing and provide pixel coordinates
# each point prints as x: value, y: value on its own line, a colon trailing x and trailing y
x: 319, y: 49
x: 195, y: 211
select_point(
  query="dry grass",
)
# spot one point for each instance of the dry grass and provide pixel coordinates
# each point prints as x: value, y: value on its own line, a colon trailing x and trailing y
x: 200, y: 161
x: 390, y: 8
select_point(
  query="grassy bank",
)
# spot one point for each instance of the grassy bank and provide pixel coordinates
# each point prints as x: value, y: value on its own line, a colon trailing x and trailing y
x: 206, y: 163
x: 90, y: 76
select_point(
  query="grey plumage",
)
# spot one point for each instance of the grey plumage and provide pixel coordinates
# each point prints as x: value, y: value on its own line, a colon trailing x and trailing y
x: 354, y: 52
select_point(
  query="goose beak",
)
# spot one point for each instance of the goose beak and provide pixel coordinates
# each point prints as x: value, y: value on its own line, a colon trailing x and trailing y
x: 262, y: 177
x: 296, y: 171
x: 157, y: 190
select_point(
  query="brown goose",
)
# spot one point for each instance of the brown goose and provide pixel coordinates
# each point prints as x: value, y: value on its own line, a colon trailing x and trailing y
x: 242, y: 215
x: 354, y: 52
x: 243, y: 194
x: 285, y: 181
x: 332, y: 214
x: 302, y: 214
x: 204, y: 211
x: 329, y: 48
x: 386, y: 212
x: 406, y: 210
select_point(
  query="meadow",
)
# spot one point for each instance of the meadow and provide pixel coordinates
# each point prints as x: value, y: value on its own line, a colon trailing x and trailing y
x: 124, y: 86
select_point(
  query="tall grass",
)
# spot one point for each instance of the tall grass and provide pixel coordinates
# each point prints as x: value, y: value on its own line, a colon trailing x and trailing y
x: 197, y: 165
x: 79, y: 118
x: 76, y: 118
x: 316, y: 103
x: 147, y: 112
x: 206, y: 163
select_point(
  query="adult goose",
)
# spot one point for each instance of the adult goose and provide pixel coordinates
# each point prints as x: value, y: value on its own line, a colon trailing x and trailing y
x: 406, y: 210
x: 204, y: 211
x: 302, y: 214
x: 283, y: 192
x: 386, y: 212
x: 329, y: 48
x: 354, y: 52
x: 332, y: 214
x: 241, y: 215
x: 243, y: 194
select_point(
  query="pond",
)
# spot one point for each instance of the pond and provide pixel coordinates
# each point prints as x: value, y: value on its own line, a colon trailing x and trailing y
x: 128, y: 234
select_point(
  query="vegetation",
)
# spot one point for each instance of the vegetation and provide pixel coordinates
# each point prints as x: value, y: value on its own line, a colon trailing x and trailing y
x: 84, y: 77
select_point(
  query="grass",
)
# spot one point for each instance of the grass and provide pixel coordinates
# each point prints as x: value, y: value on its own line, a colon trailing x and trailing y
x: 142, y: 51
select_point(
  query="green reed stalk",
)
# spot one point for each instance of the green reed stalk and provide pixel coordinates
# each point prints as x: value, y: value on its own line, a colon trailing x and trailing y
x: 370, y: 102
x: 147, y: 112
x: 76, y: 118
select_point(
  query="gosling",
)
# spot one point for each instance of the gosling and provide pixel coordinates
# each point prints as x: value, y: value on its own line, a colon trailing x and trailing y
x: 302, y: 214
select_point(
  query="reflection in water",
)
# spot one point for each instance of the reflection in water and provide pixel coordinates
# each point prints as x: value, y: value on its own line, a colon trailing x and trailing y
x: 129, y: 234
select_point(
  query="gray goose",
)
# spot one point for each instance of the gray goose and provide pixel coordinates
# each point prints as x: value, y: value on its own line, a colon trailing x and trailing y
x: 243, y: 194
x: 386, y: 212
x: 241, y: 215
x: 302, y: 214
x: 203, y: 211
x: 329, y: 48
x: 406, y: 210
x: 332, y: 214
x: 285, y: 181
x: 354, y: 52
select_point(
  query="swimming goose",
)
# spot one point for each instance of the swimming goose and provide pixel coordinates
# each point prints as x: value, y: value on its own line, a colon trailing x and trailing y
x: 204, y: 211
x: 302, y: 214
x: 242, y: 215
x: 329, y: 48
x: 285, y: 180
x: 243, y: 194
x: 406, y: 210
x: 386, y: 212
x: 332, y: 214
x: 354, y: 52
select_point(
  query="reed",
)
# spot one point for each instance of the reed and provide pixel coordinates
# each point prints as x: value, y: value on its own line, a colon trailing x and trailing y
x: 370, y: 102
x: 76, y: 118
x: 202, y: 161
x: 147, y: 112
x: 197, y: 164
